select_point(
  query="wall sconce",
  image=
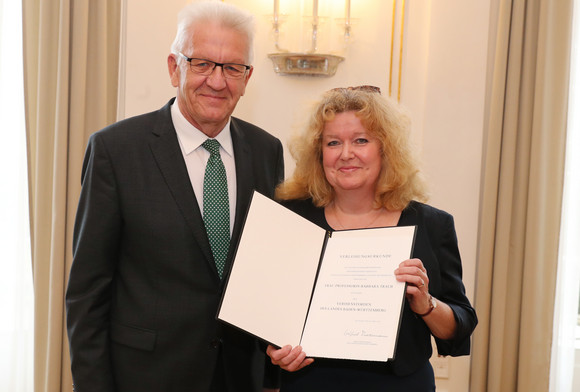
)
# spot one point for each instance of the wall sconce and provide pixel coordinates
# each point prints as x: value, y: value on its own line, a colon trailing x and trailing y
x: 310, y: 62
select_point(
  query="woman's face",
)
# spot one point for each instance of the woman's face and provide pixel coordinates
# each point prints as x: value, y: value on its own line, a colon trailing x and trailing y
x: 351, y: 158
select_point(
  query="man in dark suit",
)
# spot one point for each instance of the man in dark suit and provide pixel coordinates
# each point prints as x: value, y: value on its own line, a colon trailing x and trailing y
x: 144, y: 286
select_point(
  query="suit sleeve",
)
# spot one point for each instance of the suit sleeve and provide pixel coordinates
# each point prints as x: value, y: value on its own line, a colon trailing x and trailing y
x: 453, y: 291
x: 95, y: 255
x: 280, y: 165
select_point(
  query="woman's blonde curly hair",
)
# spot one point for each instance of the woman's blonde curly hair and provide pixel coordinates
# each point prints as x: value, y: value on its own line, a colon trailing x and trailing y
x: 400, y: 179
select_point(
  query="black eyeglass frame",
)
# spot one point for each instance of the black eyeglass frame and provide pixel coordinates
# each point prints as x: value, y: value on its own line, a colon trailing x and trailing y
x: 216, y: 64
x: 365, y: 87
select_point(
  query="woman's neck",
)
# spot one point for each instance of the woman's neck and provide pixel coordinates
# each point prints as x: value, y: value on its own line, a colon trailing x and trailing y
x: 354, y: 203
x: 350, y: 213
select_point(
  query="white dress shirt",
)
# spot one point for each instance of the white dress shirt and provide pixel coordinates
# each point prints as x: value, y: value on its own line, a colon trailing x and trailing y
x: 196, y: 157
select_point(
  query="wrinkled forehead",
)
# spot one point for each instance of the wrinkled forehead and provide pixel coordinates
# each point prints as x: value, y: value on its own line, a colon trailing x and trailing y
x: 220, y: 38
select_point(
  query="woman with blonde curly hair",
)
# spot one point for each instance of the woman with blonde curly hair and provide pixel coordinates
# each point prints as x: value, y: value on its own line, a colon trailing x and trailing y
x: 355, y: 168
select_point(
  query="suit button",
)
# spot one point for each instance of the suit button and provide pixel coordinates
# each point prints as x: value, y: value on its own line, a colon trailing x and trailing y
x: 215, y: 343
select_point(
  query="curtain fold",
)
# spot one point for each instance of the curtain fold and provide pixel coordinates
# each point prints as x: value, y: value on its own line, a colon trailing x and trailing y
x: 522, y: 193
x: 71, y: 52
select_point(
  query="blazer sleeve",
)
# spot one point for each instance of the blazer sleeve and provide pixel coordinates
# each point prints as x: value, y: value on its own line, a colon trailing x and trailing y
x: 95, y: 255
x: 452, y: 288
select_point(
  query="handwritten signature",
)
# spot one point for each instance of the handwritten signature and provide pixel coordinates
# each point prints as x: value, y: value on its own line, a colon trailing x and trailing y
x: 362, y: 332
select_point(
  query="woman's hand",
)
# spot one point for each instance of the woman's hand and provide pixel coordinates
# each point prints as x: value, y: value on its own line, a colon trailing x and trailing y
x: 288, y: 358
x: 414, y: 273
x: 440, y: 320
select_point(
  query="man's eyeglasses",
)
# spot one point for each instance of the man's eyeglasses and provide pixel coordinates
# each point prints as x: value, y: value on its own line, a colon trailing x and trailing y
x: 367, y: 88
x: 205, y: 67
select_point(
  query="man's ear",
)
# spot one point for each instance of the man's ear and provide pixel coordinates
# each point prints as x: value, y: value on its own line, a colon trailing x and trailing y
x: 173, y: 68
x: 247, y: 79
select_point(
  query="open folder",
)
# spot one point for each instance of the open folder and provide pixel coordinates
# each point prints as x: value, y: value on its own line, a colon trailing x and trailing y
x: 333, y: 293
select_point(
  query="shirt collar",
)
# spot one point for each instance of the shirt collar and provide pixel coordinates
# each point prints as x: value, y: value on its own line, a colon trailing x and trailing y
x: 192, y: 138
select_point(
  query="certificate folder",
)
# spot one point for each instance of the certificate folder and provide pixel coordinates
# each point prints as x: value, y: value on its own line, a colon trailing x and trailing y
x: 333, y: 293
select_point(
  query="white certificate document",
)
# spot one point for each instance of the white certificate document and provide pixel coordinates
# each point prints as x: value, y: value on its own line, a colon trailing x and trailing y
x: 334, y: 294
x: 357, y: 302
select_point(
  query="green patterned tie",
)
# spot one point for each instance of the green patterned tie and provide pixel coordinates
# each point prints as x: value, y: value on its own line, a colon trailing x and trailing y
x: 216, y: 206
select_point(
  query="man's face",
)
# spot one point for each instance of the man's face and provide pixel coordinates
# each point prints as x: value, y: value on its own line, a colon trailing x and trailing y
x: 208, y: 101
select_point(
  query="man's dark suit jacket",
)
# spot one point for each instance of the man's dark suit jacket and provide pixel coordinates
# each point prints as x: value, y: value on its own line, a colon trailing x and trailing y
x: 144, y: 290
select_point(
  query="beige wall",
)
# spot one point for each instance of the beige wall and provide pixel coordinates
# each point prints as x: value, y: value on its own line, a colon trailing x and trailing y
x: 443, y: 86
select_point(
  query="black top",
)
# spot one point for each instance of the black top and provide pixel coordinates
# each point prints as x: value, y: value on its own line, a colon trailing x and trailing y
x: 436, y: 246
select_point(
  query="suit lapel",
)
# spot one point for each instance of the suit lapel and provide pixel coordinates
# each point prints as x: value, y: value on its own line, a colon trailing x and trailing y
x: 244, y: 180
x: 169, y: 159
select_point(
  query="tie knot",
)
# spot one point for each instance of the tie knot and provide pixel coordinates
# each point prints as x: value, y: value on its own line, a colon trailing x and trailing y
x: 212, y: 145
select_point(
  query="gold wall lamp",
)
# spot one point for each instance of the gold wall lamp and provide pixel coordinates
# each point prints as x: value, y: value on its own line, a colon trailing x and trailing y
x: 310, y: 62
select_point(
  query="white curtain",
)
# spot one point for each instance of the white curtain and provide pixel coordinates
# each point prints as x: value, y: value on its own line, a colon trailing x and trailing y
x: 566, y: 309
x: 16, y: 307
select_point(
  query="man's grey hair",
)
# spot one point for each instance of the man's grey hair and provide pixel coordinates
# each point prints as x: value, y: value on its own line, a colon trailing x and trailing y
x: 227, y: 15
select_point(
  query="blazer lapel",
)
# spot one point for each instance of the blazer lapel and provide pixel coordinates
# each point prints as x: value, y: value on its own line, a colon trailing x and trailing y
x: 244, y: 179
x: 169, y: 159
